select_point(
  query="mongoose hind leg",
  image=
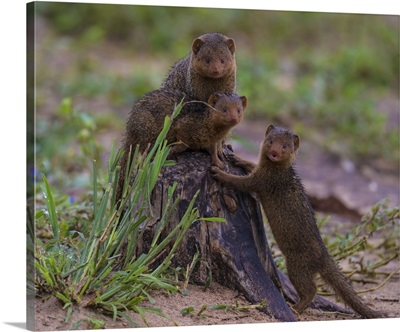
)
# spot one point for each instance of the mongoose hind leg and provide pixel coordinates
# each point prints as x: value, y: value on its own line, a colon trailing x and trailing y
x: 303, y: 282
x: 304, y: 302
x: 177, y: 148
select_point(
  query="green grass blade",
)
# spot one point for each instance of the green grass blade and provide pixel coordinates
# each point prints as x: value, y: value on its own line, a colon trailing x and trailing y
x: 94, y: 186
x: 213, y: 219
x: 51, y: 209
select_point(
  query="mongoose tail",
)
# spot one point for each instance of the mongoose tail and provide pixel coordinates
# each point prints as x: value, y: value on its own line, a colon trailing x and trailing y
x: 339, y: 283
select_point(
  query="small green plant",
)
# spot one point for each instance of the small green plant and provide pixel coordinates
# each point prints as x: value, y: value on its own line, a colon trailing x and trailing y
x: 376, y: 234
x: 224, y: 307
x: 65, y: 144
x: 94, y: 323
x: 87, y: 269
x: 379, y: 220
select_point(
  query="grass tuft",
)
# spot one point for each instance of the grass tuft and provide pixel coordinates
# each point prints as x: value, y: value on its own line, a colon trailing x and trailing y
x: 98, y: 268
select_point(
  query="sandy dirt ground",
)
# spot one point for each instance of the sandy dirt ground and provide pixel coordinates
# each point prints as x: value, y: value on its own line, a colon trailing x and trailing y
x: 51, y: 317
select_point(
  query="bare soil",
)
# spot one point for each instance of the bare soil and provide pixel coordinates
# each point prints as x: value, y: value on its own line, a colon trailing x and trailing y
x: 51, y: 317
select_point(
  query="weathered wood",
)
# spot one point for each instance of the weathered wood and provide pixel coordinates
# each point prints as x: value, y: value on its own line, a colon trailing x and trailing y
x: 237, y: 251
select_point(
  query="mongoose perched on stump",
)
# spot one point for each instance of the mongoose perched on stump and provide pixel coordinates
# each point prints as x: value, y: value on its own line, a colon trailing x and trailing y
x: 199, y: 126
x: 210, y: 67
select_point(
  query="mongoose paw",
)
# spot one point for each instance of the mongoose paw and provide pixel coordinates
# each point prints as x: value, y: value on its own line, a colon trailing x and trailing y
x: 218, y: 163
x: 225, y: 153
x: 295, y: 312
x: 216, y: 172
x: 220, y: 153
x: 234, y: 159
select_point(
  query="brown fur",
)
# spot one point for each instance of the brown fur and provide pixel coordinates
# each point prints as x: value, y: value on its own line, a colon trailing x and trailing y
x: 198, y: 126
x: 292, y: 219
x: 210, y: 67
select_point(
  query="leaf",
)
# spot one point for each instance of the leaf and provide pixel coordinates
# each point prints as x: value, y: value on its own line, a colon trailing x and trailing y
x: 96, y: 323
x: 51, y: 208
x: 129, y: 319
x: 69, y: 312
x: 202, y: 309
x: 115, y: 312
x: 213, y: 219
x: 39, y: 214
x: 219, y: 307
x: 186, y: 311
x: 169, y: 163
x: 66, y: 107
x: 77, y: 324
x: 151, y: 299
x: 62, y: 298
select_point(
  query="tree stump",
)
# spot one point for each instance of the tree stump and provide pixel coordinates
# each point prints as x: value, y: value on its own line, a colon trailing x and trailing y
x: 236, y: 252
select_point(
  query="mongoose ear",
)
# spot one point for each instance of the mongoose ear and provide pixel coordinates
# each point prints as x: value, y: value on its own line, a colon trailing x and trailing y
x: 244, y: 102
x: 197, y: 44
x: 214, y: 98
x: 296, y: 141
x: 231, y: 45
x: 269, y: 129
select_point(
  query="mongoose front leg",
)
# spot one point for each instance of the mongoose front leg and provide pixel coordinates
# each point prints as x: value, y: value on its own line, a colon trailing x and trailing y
x: 248, y: 166
x: 241, y: 183
x: 213, y: 151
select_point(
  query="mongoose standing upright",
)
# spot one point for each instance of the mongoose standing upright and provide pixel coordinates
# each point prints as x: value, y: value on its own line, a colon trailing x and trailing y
x: 198, y: 126
x: 210, y: 67
x: 292, y: 219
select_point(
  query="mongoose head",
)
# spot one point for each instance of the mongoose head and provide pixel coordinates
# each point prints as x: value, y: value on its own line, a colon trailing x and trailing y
x: 213, y: 55
x: 227, y: 108
x: 280, y: 145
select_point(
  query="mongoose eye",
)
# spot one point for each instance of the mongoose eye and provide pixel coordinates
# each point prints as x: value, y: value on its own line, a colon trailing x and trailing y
x: 239, y: 110
x: 271, y: 141
x: 224, y: 110
x: 222, y: 61
x: 207, y: 61
x: 284, y: 146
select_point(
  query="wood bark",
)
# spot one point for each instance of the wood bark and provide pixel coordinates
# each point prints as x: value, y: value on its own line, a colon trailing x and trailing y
x: 235, y: 252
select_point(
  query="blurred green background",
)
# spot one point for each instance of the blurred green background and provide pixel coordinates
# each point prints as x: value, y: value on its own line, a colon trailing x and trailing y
x: 334, y: 78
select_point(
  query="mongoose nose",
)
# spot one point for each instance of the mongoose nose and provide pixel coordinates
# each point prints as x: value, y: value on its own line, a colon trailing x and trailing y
x: 235, y: 119
x: 274, y: 155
